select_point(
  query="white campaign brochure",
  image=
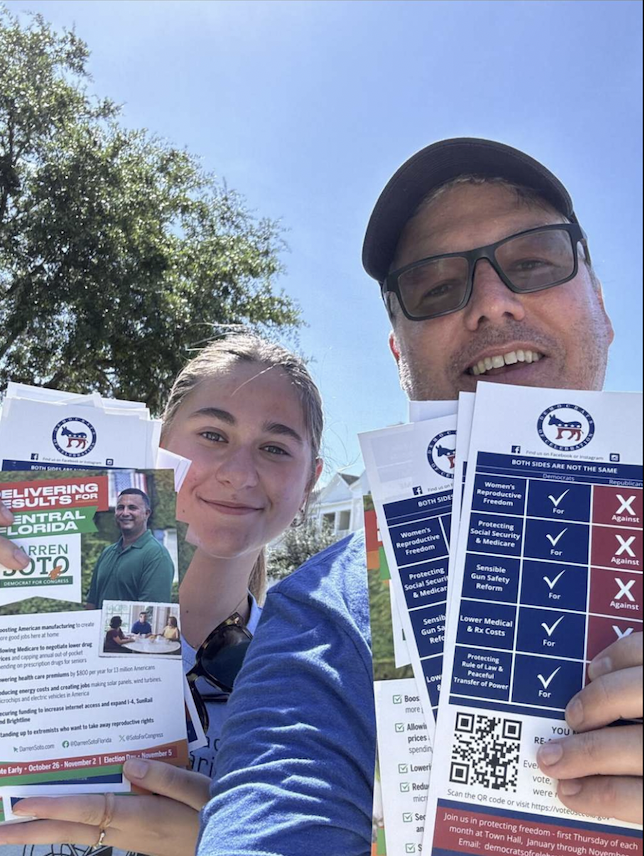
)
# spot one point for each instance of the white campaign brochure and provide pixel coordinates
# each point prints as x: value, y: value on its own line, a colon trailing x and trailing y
x: 410, y: 471
x: 549, y: 573
x: 50, y: 430
x: 100, y: 709
x: 404, y: 749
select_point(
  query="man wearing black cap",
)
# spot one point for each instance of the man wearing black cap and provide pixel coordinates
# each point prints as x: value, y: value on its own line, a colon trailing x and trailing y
x: 485, y: 272
x: 493, y: 311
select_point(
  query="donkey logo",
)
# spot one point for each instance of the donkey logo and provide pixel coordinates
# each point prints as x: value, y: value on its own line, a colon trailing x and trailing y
x: 75, y: 440
x: 444, y: 452
x: 574, y: 430
x: 74, y: 437
x: 439, y: 448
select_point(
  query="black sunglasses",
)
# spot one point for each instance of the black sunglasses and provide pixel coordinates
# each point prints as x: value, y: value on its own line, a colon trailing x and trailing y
x: 528, y: 261
x: 219, y: 660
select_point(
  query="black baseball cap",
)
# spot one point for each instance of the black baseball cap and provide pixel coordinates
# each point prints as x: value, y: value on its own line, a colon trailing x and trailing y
x: 437, y: 164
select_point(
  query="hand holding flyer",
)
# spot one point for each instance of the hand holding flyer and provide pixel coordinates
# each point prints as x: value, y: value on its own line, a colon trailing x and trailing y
x: 542, y: 580
x: 549, y: 574
x: 71, y: 714
x: 171, y: 800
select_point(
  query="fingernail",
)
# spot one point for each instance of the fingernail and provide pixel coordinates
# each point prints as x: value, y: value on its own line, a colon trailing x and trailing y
x: 136, y: 768
x: 575, y: 713
x: 570, y: 788
x: 550, y: 754
x: 19, y: 809
x: 600, y: 666
x: 20, y: 556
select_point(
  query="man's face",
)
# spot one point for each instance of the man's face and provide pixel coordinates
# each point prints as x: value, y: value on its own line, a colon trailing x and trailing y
x: 566, y: 325
x: 131, y: 515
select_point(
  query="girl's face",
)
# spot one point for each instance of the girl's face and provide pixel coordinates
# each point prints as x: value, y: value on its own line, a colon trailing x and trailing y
x: 251, y: 459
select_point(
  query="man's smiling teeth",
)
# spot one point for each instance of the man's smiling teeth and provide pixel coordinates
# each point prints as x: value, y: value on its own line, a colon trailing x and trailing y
x: 509, y: 359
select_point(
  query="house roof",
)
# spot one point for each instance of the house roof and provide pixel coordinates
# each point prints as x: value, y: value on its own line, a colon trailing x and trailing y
x: 339, y: 489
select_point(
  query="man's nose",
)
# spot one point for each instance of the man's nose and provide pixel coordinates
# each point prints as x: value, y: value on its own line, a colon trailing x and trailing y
x: 491, y: 301
x: 238, y: 469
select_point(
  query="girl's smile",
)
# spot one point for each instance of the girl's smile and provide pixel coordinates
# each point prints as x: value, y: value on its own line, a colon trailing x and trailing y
x: 230, y: 507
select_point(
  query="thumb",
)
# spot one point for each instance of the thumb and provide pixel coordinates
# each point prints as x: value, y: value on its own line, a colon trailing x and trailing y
x: 157, y: 777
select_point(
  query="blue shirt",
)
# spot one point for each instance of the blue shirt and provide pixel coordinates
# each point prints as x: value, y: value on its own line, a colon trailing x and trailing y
x: 140, y: 628
x: 294, y: 774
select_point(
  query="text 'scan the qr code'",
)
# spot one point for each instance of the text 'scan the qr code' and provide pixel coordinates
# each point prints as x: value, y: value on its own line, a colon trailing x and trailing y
x: 486, y: 752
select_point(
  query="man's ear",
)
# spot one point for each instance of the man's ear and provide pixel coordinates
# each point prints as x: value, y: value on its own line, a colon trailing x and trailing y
x: 393, y: 347
x: 609, y: 323
x: 599, y: 290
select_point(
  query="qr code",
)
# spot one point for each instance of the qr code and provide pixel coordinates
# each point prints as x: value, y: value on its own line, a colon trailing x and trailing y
x: 486, y: 752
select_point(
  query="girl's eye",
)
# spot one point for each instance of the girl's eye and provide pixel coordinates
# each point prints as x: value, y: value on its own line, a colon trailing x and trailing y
x: 213, y: 436
x: 276, y: 450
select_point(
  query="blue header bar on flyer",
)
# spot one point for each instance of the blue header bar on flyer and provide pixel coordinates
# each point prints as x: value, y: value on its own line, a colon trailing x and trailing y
x: 596, y: 472
x: 424, y: 505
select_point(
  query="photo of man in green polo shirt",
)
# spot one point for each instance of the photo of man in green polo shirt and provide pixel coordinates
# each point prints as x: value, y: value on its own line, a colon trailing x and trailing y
x: 137, y: 567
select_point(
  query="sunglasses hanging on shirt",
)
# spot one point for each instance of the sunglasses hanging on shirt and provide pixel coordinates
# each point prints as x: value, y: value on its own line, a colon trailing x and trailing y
x: 218, y: 660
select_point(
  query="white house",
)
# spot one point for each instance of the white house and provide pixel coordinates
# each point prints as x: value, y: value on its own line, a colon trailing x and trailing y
x: 339, y: 503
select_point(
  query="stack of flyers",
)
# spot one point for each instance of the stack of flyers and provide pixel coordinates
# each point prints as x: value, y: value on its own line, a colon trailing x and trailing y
x: 512, y: 533
x: 89, y: 675
x: 43, y: 429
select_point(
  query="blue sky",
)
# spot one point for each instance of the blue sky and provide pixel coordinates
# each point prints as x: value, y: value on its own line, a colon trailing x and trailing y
x: 308, y: 106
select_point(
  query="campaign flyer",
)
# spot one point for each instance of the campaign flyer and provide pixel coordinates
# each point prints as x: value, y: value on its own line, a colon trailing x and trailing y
x: 83, y: 689
x: 410, y: 469
x: 47, y: 429
x: 404, y: 749
x: 465, y: 416
x: 420, y: 411
x: 549, y: 573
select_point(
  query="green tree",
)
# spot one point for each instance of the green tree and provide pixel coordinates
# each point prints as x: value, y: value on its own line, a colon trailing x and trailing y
x: 118, y: 252
x: 298, y: 544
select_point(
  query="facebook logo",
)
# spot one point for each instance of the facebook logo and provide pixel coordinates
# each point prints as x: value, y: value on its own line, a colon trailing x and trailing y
x: 34, y: 456
x: 418, y: 491
x: 516, y: 450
